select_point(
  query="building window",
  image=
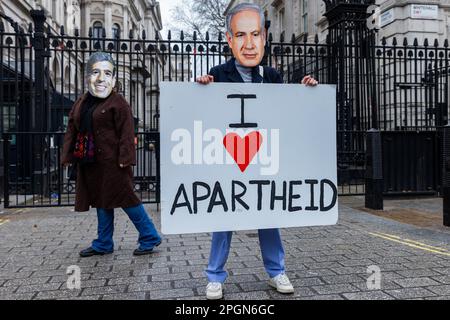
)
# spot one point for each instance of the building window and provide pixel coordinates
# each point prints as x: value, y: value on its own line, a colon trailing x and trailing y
x: 116, y: 31
x: 98, y: 30
x: 281, y: 20
x: 305, y: 15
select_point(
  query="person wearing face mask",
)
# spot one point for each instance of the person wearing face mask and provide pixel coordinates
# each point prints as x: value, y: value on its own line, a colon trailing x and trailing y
x: 100, y: 140
x: 246, y: 38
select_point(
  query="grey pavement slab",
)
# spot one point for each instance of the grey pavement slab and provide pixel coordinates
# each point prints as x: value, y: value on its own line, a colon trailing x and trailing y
x: 38, y: 245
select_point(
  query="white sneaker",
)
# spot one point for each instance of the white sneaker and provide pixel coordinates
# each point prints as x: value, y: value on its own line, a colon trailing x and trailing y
x: 214, y: 291
x: 281, y: 283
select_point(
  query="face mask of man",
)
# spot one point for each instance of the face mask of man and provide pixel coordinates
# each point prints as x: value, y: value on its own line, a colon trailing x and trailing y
x: 248, y: 39
x: 101, y: 80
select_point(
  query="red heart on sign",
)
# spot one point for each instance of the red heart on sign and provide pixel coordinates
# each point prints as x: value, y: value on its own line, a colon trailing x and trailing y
x: 243, y: 150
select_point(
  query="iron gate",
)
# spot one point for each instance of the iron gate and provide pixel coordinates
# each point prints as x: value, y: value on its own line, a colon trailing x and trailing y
x: 387, y: 86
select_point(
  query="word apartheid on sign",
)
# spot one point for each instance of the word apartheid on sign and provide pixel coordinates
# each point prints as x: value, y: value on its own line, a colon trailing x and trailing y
x: 247, y: 156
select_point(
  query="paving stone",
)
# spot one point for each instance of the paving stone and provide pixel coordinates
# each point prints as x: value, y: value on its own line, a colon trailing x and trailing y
x: 127, y: 280
x: 418, y: 273
x: 151, y: 271
x: 335, y: 288
x: 17, y: 296
x: 299, y: 293
x: 149, y: 286
x: 104, y: 290
x: 27, y: 281
x: 58, y: 294
x: 440, y: 290
x: 408, y: 293
x: 190, y: 283
x: 323, y: 297
x: 254, y: 295
x: 368, y: 295
x: 306, y: 282
x: 93, y: 297
x: 416, y: 282
x: 384, y: 285
x: 442, y: 279
x: 125, y: 296
x: 438, y: 298
x: 172, y: 293
x: 172, y: 276
x: 352, y: 278
x: 39, y: 287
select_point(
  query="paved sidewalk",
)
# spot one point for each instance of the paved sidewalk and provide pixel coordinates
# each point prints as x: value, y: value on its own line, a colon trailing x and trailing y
x: 38, y: 245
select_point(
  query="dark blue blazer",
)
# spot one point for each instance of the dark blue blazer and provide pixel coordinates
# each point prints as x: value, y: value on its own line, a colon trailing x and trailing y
x: 227, y: 72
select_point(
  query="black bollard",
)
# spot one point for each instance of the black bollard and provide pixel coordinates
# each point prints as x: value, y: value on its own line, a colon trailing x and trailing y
x: 374, y: 171
x: 446, y: 175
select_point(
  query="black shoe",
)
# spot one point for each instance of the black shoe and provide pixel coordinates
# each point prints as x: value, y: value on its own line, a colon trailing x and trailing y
x: 89, y: 252
x: 141, y: 252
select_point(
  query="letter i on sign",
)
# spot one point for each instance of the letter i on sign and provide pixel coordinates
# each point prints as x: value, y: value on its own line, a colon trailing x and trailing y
x: 243, y: 150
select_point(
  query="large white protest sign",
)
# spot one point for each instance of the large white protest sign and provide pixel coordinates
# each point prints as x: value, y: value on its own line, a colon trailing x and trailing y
x: 247, y: 156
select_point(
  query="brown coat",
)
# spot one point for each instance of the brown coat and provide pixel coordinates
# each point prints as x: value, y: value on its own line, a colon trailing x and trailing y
x: 104, y: 184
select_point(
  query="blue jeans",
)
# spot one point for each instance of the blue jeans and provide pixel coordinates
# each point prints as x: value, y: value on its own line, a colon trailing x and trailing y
x: 148, y: 236
x: 271, y: 249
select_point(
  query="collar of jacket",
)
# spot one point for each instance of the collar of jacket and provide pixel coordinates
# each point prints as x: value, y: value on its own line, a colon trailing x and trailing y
x: 77, y: 109
x: 234, y: 76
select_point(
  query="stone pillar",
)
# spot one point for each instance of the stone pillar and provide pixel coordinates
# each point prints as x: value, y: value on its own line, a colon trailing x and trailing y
x: 87, y: 17
x: 108, y: 19
x: 126, y: 29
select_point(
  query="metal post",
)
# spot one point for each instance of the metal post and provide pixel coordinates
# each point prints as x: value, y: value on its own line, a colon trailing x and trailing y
x: 374, y: 171
x: 40, y: 112
x: 39, y: 115
x: 446, y: 175
x: 6, y: 139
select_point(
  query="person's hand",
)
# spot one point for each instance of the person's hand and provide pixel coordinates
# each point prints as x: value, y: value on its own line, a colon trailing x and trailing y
x: 205, y: 79
x: 122, y: 165
x: 310, y: 81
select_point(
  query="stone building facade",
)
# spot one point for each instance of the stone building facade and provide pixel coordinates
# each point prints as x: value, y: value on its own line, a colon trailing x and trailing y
x: 93, y: 19
x: 397, y: 18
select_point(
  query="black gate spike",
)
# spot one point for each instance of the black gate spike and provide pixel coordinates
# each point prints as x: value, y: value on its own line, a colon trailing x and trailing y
x: 77, y: 32
x: 2, y: 27
x: 131, y: 34
x: 103, y: 33
x: 61, y: 31
x: 425, y: 43
x: 90, y: 33
x: 270, y: 37
x: 305, y: 39
x: 30, y: 28
x: 394, y: 41
x: 144, y: 34
x: 293, y: 38
x: 207, y: 36
x: 169, y: 35
x: 316, y: 39
x: 436, y: 43
x: 219, y: 38
x: 182, y: 35
x: 416, y: 42
x: 446, y: 43
x: 195, y: 36
x: 405, y: 41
